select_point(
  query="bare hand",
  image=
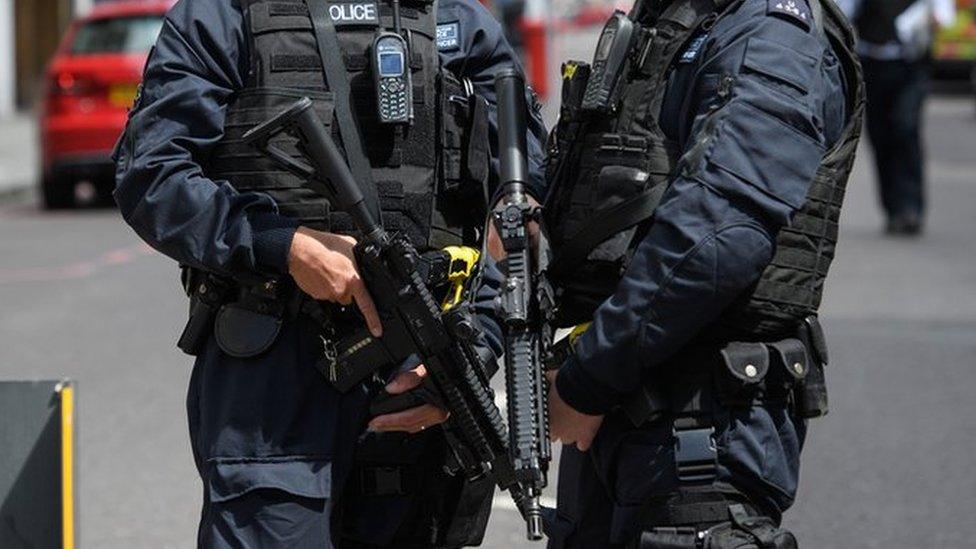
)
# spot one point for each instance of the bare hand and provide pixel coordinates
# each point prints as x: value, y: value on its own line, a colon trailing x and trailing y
x: 496, y: 249
x: 324, y: 266
x: 413, y: 420
x: 566, y: 424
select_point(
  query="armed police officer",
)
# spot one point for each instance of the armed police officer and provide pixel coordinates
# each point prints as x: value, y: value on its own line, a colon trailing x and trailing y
x: 283, y: 379
x: 696, y: 179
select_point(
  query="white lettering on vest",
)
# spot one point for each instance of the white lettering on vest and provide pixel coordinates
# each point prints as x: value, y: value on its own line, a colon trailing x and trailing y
x: 354, y: 13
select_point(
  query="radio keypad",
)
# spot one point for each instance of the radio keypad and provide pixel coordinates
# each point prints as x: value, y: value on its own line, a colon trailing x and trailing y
x: 393, y: 100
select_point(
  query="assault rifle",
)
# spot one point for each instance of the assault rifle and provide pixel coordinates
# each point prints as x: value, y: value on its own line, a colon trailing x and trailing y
x: 413, y: 323
x: 525, y: 303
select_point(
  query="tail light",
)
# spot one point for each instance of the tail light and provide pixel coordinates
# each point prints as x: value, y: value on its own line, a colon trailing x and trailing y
x: 68, y: 83
x: 70, y: 92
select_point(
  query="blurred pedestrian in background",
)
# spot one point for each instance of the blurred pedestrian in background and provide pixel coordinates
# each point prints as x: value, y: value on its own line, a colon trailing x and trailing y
x: 895, y: 42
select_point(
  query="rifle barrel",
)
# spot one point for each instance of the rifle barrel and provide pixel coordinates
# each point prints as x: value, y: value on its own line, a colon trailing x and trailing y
x: 512, y: 145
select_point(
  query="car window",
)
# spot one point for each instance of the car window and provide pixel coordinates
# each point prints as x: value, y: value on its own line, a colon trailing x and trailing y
x: 117, y: 35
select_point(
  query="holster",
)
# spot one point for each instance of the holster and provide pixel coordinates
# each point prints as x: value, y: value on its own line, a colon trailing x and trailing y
x: 207, y: 294
x: 812, y: 394
x: 401, y: 479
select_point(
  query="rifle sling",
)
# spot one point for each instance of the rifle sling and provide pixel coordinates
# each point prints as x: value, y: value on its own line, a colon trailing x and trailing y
x: 604, y: 224
x: 330, y: 53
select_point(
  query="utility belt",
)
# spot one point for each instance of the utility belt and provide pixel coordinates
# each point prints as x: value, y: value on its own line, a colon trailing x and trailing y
x: 702, y: 514
x: 735, y: 374
x: 245, y: 317
x: 738, y: 527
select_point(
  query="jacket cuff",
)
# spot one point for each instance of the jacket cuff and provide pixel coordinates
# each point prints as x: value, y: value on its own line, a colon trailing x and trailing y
x: 273, y: 234
x: 583, y: 392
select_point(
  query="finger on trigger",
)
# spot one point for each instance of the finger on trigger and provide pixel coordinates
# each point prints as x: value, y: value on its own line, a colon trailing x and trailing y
x: 366, y: 306
x: 407, y: 420
x: 403, y: 382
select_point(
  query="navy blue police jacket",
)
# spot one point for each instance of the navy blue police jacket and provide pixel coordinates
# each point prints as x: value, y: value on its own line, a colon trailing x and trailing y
x: 714, y: 231
x: 271, y: 421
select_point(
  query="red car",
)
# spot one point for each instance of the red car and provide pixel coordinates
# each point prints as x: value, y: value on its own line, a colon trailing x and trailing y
x: 89, y: 87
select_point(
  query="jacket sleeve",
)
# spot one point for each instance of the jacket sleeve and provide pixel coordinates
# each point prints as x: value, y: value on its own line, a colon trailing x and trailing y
x: 163, y: 189
x: 754, y: 142
x: 483, y: 52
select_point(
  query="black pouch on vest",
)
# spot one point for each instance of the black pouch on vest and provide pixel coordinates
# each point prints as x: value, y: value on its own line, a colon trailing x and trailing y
x: 576, y: 74
x: 744, y: 367
x: 742, y: 532
x: 245, y: 333
x: 465, y: 155
x: 562, y: 142
x: 593, y: 216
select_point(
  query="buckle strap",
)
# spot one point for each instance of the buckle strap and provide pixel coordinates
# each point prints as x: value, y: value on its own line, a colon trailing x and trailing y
x: 695, y: 451
x: 607, y: 222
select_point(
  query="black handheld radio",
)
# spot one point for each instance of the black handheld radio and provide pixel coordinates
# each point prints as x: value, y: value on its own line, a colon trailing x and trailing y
x: 391, y: 75
x: 608, y: 62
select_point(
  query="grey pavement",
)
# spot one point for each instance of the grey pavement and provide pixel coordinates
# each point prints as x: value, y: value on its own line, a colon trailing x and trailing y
x: 889, y: 467
x: 19, y: 163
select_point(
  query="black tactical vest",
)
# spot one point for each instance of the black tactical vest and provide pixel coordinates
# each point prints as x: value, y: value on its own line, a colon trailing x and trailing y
x: 607, y: 175
x: 876, y: 21
x: 431, y: 182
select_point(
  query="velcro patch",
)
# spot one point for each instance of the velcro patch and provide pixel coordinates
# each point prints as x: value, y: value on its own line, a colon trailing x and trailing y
x: 449, y: 36
x: 796, y: 11
x: 355, y: 13
x: 691, y: 53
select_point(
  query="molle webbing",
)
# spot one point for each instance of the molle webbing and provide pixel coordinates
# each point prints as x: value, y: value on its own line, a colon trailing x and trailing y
x: 659, y: 46
x: 407, y: 172
x: 601, y: 206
